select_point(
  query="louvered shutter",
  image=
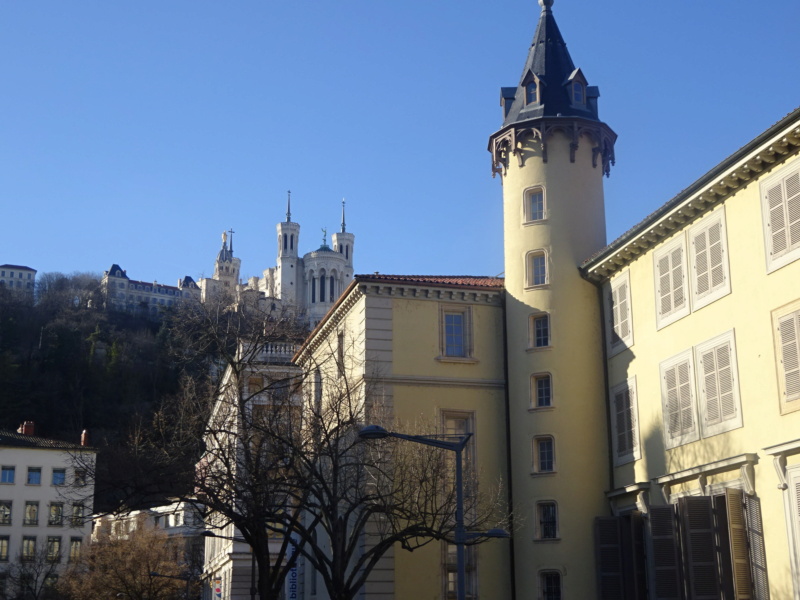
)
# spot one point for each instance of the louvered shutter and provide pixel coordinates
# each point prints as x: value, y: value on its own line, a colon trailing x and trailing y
x: 758, y: 553
x: 664, y: 553
x: 608, y: 547
x: 671, y: 286
x: 679, y: 404
x: 740, y: 553
x: 634, y: 567
x: 717, y: 388
x: 621, y: 327
x: 699, y: 545
x: 793, y: 209
x: 777, y: 220
x: 625, y: 422
x: 789, y: 331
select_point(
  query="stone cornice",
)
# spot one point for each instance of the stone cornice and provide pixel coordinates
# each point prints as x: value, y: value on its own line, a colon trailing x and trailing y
x: 772, y: 148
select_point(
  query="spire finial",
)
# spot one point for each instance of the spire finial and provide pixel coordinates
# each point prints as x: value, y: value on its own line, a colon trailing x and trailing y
x: 344, y: 229
x: 289, y: 207
x: 324, y: 236
x: 230, y: 248
x: 546, y: 4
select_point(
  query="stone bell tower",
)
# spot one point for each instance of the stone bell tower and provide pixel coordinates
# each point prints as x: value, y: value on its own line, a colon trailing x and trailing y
x: 551, y: 153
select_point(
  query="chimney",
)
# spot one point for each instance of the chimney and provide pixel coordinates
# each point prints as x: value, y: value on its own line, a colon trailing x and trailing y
x: 85, y: 437
x: 26, y: 428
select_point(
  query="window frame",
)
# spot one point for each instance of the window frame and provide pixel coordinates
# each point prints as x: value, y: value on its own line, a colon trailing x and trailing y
x: 789, y: 399
x: 10, y: 505
x: 534, y: 391
x: 4, y: 548
x: 8, y: 469
x: 539, y: 528
x: 724, y: 425
x: 58, y: 471
x: 527, y: 212
x: 33, y: 471
x: 58, y: 520
x: 540, y: 582
x: 465, y: 312
x: 790, y: 254
x: 662, y: 320
x: 532, y: 346
x: 635, y: 451
x: 530, y: 279
x: 612, y: 287
x: 28, y: 543
x: 703, y: 226
x: 536, y: 455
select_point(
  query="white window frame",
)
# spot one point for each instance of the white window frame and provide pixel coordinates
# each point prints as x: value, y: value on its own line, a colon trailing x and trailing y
x: 529, y: 278
x: 662, y: 320
x: 728, y: 338
x: 527, y: 214
x: 535, y: 467
x: 789, y: 399
x: 702, y: 228
x: 792, y: 512
x: 689, y: 436
x: 635, y: 452
x: 791, y: 253
x: 611, y: 322
x: 466, y: 312
x: 534, y: 392
x: 532, y: 331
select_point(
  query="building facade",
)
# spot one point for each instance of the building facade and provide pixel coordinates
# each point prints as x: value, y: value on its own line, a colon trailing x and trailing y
x: 45, y: 503
x: 18, y: 278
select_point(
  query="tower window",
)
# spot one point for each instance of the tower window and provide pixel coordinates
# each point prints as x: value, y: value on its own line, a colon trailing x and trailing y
x: 541, y: 391
x: 531, y: 92
x: 544, y: 456
x: 322, y: 288
x: 539, y: 331
x: 347, y: 252
x: 330, y: 296
x: 547, y: 521
x: 534, y: 205
x: 578, y: 96
x: 537, y: 268
x: 313, y: 289
x: 285, y: 241
x: 550, y: 585
x: 291, y: 242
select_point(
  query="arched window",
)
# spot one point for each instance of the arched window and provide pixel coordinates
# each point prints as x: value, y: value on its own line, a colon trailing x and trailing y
x: 291, y: 242
x: 285, y: 241
x: 534, y: 205
x: 347, y: 252
x: 313, y: 289
x: 537, y: 268
x: 322, y: 288
x: 531, y: 92
x: 331, y: 295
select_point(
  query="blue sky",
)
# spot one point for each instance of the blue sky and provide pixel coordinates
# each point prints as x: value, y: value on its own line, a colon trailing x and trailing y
x: 135, y: 131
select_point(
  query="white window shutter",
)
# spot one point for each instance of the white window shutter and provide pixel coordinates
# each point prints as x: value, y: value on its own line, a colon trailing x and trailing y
x: 793, y: 209
x: 717, y: 387
x: 709, y: 260
x: 672, y: 300
x: 678, y: 403
x: 789, y: 330
x: 777, y: 220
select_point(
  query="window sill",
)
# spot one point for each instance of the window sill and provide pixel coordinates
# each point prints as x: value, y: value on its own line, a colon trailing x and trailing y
x: 543, y: 286
x: 543, y: 473
x: 457, y: 359
x: 535, y: 222
x: 533, y: 409
x: 546, y: 540
x: 538, y: 348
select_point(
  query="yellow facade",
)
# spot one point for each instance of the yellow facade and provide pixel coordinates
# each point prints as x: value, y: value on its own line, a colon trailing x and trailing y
x: 392, y: 331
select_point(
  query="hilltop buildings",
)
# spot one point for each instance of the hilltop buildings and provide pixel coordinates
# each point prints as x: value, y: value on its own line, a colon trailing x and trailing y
x: 18, y: 278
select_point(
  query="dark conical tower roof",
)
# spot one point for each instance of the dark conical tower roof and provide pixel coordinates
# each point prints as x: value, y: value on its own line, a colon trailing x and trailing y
x: 550, y: 68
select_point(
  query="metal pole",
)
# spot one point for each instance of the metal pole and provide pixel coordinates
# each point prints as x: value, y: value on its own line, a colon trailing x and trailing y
x: 460, y: 533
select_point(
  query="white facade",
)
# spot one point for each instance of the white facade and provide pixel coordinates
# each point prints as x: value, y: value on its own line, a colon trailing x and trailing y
x: 18, y: 278
x: 146, y: 298
x: 45, y: 501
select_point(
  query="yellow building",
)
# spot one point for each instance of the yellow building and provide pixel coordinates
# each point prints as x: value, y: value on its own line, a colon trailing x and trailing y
x: 431, y: 349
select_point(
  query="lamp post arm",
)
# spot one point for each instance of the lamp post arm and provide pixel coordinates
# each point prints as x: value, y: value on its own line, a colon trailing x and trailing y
x: 429, y: 441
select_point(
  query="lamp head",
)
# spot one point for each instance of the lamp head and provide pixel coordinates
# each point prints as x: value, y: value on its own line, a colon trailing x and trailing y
x: 373, y: 432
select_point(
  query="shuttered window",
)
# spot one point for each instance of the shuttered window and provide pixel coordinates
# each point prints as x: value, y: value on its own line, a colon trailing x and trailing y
x: 625, y: 422
x: 792, y: 500
x: 780, y: 197
x: 699, y: 546
x: 619, y: 330
x: 717, y: 382
x: 672, y: 300
x: 678, y: 400
x: 663, y: 542
x: 788, y: 357
x: 709, y: 256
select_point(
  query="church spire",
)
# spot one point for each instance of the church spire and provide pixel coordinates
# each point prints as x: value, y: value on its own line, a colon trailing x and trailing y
x: 289, y: 207
x: 550, y: 85
x: 344, y: 228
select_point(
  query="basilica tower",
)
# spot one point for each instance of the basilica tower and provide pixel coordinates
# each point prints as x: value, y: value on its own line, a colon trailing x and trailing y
x: 551, y: 153
x: 288, y: 270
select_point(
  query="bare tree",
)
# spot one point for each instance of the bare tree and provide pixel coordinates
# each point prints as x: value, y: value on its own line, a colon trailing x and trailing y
x: 126, y: 566
x: 34, y: 574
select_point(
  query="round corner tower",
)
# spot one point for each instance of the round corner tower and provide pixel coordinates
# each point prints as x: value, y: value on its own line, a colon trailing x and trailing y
x: 288, y: 270
x: 551, y: 153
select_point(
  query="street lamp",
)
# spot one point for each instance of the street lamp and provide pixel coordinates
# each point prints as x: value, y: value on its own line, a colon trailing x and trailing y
x: 253, y: 590
x: 376, y: 432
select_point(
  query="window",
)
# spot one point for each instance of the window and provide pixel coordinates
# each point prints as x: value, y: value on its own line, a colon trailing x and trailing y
x: 546, y: 520
x: 550, y: 585
x: 625, y: 422
x: 34, y: 476
x: 28, y: 548
x: 31, y: 513
x: 456, y: 332
x: 780, y: 197
x: 544, y: 458
x: 671, y: 287
x: 56, y: 516
x: 541, y: 390
x: 4, y: 540
x: 678, y: 400
x: 531, y: 92
x: 5, y: 512
x: 451, y: 571
x: 709, y: 257
x: 75, y: 544
x: 787, y: 353
x: 7, y: 475
x: 534, y: 205
x: 537, y: 268
x: 717, y: 383
x: 53, y: 548
x: 619, y: 330
x: 539, y: 331
x: 578, y: 95
x: 80, y: 477
x: 77, y: 515
x: 59, y: 476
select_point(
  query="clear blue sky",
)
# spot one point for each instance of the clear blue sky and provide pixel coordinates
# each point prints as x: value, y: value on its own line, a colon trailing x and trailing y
x: 135, y: 131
